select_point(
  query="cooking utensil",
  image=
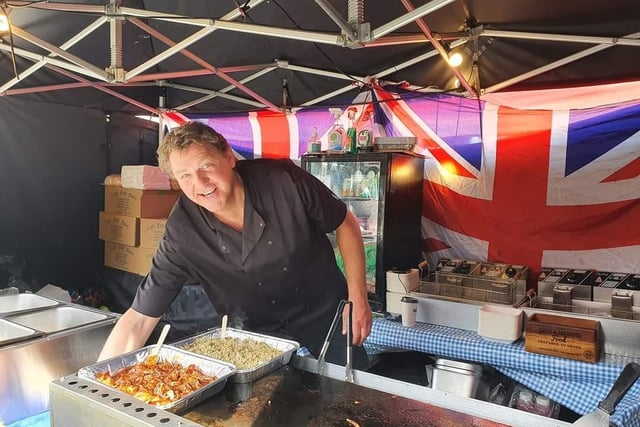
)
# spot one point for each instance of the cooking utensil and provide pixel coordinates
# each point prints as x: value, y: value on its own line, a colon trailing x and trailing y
x: 348, y: 375
x: 163, y: 335
x: 526, y: 299
x: 600, y: 416
x: 223, y: 329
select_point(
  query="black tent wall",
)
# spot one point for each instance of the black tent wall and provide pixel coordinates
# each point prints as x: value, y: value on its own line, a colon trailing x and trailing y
x: 53, y: 160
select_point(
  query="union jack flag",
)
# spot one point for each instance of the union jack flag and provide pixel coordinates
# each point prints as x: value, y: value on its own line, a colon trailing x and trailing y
x: 555, y: 187
x: 541, y: 187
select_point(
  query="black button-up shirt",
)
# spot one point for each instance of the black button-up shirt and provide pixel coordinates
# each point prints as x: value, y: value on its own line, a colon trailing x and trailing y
x: 278, y: 275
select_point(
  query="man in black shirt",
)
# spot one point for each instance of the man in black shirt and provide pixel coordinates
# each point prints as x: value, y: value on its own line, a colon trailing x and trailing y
x: 254, y: 234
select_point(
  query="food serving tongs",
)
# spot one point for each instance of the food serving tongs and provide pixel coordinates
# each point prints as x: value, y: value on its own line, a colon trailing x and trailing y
x: 348, y: 374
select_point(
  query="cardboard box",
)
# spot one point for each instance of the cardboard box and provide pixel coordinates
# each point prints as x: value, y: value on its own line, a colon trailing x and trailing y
x: 134, y: 259
x: 561, y: 336
x: 151, y: 232
x: 119, y: 229
x: 139, y: 203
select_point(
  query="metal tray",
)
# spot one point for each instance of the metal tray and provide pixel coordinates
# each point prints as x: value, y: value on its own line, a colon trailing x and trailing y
x: 208, y: 366
x: 287, y: 347
x: 20, y: 303
x: 11, y: 332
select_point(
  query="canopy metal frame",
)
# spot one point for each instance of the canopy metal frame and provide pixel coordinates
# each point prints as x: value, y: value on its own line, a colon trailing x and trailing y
x: 354, y: 33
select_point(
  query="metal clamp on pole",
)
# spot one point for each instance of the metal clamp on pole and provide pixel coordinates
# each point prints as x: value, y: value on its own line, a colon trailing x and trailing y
x: 348, y: 374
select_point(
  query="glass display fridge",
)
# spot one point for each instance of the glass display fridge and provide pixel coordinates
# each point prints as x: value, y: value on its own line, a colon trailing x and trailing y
x: 384, y: 191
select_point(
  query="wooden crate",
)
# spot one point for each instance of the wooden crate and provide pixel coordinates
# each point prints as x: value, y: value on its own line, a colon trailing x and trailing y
x: 562, y: 336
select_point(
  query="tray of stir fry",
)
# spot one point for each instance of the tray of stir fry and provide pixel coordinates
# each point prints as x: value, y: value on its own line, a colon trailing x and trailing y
x: 253, y: 354
x: 173, y: 380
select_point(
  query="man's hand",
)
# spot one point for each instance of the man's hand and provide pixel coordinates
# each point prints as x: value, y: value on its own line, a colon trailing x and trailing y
x: 361, y: 319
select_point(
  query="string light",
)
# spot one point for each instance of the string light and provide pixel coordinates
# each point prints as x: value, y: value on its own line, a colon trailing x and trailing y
x: 4, y: 23
x: 455, y: 59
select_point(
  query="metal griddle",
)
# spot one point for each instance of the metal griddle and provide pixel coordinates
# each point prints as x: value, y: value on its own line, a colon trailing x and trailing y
x: 294, y: 395
x: 291, y: 397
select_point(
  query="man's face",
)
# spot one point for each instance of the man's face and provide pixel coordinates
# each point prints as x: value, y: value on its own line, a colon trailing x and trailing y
x: 205, y: 175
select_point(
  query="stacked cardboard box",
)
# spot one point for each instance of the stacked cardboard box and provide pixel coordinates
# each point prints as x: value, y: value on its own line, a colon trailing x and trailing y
x: 132, y: 225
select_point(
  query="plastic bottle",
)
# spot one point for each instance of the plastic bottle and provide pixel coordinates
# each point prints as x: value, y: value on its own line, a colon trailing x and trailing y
x: 365, y: 136
x: 351, y: 137
x: 336, y: 181
x: 525, y: 401
x: 542, y: 405
x: 337, y: 134
x: 313, y: 146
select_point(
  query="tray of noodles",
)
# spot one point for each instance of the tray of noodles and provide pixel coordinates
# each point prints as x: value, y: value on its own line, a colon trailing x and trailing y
x: 174, y: 380
x: 254, y: 355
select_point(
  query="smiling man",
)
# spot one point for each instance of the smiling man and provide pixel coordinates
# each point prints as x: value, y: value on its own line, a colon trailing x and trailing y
x: 254, y: 234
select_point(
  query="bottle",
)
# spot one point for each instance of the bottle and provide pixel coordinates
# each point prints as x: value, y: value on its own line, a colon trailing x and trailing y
x: 351, y: 137
x: 336, y: 134
x: 356, y: 183
x: 542, y: 406
x: 336, y: 182
x: 313, y: 146
x: 365, y: 136
x: 525, y: 401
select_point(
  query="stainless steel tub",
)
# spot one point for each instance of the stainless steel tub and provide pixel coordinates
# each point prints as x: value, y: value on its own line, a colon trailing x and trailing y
x: 10, y: 332
x: 18, y: 303
x: 72, y: 338
x: 57, y: 319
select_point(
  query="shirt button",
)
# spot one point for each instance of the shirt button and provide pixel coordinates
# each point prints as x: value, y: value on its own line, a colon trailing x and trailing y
x: 273, y: 301
x: 270, y: 242
x: 259, y: 283
x: 284, y: 268
x: 223, y: 247
x: 262, y: 224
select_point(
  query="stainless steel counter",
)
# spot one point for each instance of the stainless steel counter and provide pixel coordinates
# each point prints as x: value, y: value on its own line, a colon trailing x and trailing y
x: 292, y: 395
x: 60, y: 338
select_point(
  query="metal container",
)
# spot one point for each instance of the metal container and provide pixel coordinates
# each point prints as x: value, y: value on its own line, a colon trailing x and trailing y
x: 57, y: 319
x: 458, y: 377
x: 30, y: 362
x: 287, y: 347
x: 11, y: 332
x: 19, y: 303
x: 221, y: 370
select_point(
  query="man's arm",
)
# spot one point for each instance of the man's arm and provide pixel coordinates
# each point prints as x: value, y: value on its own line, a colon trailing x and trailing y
x: 352, y: 250
x: 130, y: 333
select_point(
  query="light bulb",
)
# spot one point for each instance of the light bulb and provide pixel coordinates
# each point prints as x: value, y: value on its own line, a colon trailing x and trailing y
x: 455, y: 59
x: 4, y: 23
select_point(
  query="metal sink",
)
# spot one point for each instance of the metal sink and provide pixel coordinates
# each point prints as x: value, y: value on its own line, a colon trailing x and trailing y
x: 57, y: 319
x: 12, y: 304
x: 10, y: 332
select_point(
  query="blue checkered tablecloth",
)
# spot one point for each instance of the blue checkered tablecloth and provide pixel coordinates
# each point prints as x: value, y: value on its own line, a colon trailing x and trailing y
x: 576, y: 385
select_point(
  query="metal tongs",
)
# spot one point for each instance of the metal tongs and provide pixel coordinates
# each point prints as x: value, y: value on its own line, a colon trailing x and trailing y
x: 348, y: 374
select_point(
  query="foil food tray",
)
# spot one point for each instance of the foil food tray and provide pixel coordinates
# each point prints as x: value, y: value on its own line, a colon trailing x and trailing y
x: 287, y: 347
x: 221, y: 370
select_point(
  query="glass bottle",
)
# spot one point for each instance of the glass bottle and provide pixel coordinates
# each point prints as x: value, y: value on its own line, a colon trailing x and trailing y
x: 351, y: 136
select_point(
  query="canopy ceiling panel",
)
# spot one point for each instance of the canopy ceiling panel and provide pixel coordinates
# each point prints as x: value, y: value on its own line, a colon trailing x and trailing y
x: 239, y: 55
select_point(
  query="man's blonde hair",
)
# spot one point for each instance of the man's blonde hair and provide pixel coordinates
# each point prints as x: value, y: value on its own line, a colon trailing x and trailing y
x: 183, y: 137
